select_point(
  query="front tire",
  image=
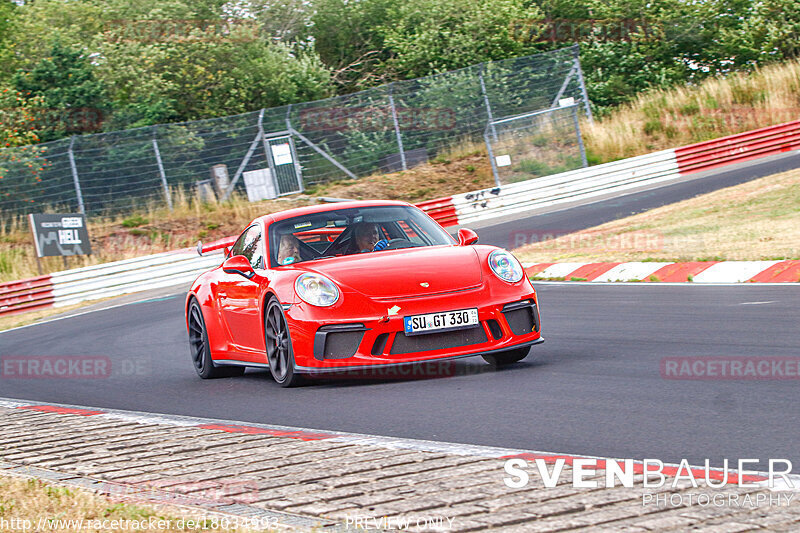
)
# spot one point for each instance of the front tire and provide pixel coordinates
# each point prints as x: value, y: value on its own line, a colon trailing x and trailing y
x: 507, y: 358
x: 199, y: 347
x: 280, y: 354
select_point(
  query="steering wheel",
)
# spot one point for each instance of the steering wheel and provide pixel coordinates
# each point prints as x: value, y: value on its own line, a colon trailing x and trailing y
x: 397, y: 243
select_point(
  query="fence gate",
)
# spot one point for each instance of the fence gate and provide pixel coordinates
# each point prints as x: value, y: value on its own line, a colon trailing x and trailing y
x: 283, y: 164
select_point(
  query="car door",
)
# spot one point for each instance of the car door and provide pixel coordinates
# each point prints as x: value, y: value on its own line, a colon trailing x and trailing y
x: 240, y: 297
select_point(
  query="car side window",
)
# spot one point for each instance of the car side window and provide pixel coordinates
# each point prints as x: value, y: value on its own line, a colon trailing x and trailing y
x: 249, y: 245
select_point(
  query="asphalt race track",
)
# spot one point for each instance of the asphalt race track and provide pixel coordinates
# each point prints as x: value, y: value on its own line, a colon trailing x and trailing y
x: 594, y: 388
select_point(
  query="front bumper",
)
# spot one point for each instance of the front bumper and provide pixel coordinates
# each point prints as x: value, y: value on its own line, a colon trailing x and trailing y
x: 372, y: 334
x: 324, y: 370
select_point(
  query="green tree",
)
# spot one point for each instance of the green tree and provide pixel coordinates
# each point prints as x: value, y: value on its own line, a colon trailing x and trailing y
x: 369, y: 42
x: 206, y: 76
x: 431, y: 36
x: 73, y: 99
x: 348, y: 39
x: 18, y: 117
x: 8, y: 13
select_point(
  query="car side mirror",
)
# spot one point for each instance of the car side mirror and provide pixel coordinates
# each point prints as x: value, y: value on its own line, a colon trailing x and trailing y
x: 238, y: 264
x: 466, y: 237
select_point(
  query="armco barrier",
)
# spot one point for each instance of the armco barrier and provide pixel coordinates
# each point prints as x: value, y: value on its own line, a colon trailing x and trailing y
x: 26, y: 295
x: 101, y: 281
x: 441, y: 210
x: 132, y: 275
x: 566, y: 187
x: 620, y: 176
x: 738, y: 148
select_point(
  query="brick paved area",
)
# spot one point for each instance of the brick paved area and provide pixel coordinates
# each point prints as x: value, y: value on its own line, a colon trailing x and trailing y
x: 330, y: 481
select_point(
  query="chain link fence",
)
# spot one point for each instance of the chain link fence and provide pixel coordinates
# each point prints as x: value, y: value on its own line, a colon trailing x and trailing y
x: 282, y: 150
x: 535, y: 144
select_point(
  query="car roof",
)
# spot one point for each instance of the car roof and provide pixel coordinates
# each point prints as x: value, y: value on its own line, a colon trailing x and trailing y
x: 321, y: 208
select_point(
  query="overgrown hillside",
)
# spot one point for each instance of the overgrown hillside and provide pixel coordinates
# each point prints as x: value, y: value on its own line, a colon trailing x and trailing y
x: 661, y: 119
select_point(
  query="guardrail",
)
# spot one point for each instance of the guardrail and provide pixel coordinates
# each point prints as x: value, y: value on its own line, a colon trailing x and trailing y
x: 566, y: 187
x: 183, y: 266
x: 26, y: 295
x: 441, y: 210
x: 70, y: 287
x: 615, y: 177
x: 740, y: 147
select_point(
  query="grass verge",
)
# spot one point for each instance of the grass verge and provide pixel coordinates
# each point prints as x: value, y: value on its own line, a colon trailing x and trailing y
x: 758, y: 220
x: 32, y: 505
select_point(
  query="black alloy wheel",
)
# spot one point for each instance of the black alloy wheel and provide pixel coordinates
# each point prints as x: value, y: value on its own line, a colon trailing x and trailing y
x: 279, y: 345
x: 199, y: 347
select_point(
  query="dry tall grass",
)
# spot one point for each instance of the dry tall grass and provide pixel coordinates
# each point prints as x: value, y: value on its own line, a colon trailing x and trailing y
x: 757, y: 220
x: 663, y: 119
x: 33, y: 505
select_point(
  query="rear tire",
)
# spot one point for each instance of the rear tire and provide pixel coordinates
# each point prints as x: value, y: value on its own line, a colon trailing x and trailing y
x: 507, y: 358
x: 199, y: 347
x: 278, y: 342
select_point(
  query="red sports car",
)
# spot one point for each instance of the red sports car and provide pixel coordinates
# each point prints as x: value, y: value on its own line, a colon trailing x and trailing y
x: 348, y: 286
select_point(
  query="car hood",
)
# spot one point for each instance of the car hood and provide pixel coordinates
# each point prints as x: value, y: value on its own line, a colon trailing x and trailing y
x: 406, y: 273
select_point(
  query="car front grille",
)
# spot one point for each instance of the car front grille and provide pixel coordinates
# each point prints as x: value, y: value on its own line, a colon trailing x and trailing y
x: 522, y: 317
x: 437, y: 341
x: 338, y: 341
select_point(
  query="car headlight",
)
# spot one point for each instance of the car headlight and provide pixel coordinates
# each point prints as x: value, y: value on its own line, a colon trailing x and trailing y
x: 316, y: 290
x: 505, y: 266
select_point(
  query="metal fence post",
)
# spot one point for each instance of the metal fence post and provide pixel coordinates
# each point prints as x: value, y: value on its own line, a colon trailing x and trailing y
x: 397, y: 127
x: 486, y: 103
x: 298, y: 170
x: 241, y: 168
x: 163, y: 175
x: 491, y: 156
x: 270, y: 163
x: 75, y: 180
x: 564, y: 85
x: 580, y: 138
x: 582, y: 83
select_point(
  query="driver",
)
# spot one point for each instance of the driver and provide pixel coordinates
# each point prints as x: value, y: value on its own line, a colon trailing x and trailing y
x: 367, y: 238
x: 288, y: 250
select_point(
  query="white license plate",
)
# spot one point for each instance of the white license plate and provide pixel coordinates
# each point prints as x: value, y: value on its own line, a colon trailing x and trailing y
x: 446, y: 321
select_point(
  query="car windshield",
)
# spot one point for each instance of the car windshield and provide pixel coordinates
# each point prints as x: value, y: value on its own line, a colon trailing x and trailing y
x: 352, y: 231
